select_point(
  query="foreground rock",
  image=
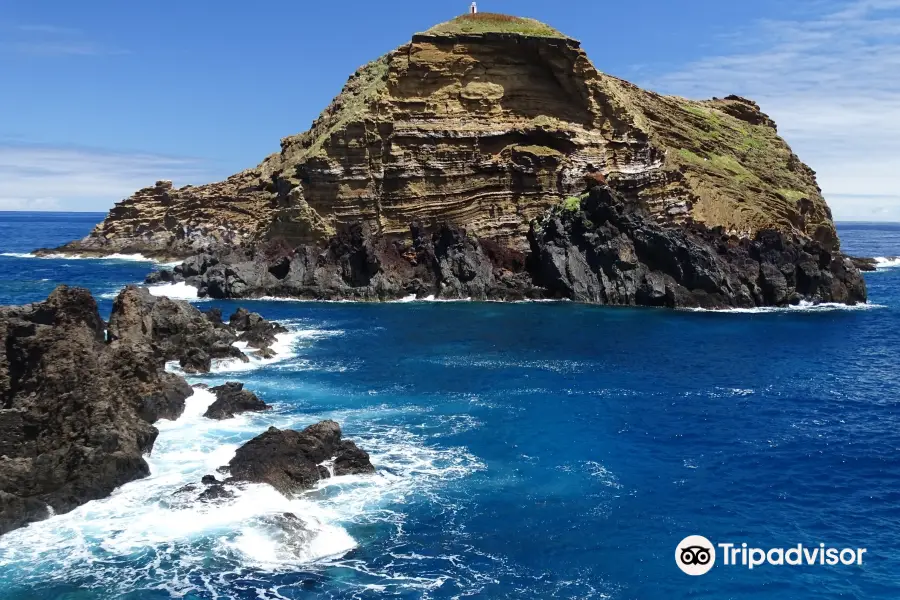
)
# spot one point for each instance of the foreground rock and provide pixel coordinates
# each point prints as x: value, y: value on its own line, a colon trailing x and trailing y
x: 291, y: 461
x: 427, y: 172
x: 76, y: 410
x: 232, y: 399
x: 183, y: 333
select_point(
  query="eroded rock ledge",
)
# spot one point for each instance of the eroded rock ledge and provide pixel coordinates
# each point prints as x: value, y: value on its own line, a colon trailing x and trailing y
x: 232, y: 399
x: 596, y: 248
x: 292, y: 461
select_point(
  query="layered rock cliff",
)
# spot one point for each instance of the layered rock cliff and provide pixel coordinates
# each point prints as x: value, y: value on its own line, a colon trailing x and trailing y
x: 485, y: 123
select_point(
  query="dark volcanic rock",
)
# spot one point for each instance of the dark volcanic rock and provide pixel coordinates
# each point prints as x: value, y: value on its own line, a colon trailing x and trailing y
x: 16, y: 511
x: 597, y: 249
x: 255, y: 330
x: 163, y: 276
x: 867, y: 264
x: 168, y: 401
x: 359, y: 265
x: 215, y: 492
x: 181, y: 332
x: 195, y: 360
x: 290, y: 460
x: 75, y: 410
x: 350, y: 459
x: 607, y: 251
x: 232, y: 399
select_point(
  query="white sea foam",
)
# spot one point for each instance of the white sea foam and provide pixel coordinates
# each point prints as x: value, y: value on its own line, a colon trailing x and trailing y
x: 145, y: 513
x: 180, y: 290
x: 104, y: 539
x: 431, y: 298
x: 885, y: 262
x: 62, y: 256
x: 285, y: 348
x: 803, y: 307
x: 404, y: 300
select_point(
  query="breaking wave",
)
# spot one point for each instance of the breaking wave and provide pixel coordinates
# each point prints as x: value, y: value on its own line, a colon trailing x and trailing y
x: 286, y: 347
x: 805, y: 306
x: 179, y: 291
x: 885, y: 262
x: 61, y: 256
x: 147, y: 536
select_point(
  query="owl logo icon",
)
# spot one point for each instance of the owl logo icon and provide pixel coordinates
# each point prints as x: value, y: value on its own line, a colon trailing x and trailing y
x: 695, y: 555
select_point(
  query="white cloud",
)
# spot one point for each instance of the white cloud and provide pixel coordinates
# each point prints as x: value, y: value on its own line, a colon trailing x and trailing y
x: 52, y: 40
x: 50, y: 29
x: 830, y: 82
x: 49, y: 48
x: 75, y: 179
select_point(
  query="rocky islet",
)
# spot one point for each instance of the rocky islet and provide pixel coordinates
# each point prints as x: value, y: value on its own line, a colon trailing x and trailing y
x: 434, y: 169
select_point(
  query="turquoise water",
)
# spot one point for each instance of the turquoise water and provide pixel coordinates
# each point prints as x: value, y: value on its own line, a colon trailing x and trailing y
x: 543, y: 450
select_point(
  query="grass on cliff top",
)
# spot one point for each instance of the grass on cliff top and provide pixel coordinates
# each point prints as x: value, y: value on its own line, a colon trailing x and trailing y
x: 495, y: 23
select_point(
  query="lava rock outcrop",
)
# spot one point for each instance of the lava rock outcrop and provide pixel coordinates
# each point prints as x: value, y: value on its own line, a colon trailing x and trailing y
x: 76, y: 409
x: 232, y: 399
x: 292, y: 461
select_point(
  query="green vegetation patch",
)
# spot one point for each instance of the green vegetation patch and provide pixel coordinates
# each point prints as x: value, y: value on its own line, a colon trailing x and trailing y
x: 350, y: 105
x: 572, y: 204
x: 539, y: 151
x: 495, y: 23
x: 793, y: 194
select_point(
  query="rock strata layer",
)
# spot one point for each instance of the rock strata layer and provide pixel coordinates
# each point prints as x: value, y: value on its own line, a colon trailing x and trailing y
x: 483, y: 124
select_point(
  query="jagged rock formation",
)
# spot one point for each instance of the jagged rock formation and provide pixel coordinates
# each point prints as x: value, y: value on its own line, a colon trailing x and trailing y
x: 605, y: 251
x: 78, y: 398
x: 291, y: 461
x: 485, y: 123
x: 76, y: 410
x: 255, y: 331
x: 232, y: 399
x: 181, y: 332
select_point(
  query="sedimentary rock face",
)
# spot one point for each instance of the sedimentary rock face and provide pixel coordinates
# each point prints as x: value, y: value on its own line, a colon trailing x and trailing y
x: 486, y: 122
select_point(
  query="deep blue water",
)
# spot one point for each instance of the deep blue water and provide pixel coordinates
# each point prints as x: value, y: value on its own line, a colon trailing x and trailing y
x: 524, y: 450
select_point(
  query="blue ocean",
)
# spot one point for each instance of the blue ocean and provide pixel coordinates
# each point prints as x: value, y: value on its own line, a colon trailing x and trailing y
x: 534, y: 450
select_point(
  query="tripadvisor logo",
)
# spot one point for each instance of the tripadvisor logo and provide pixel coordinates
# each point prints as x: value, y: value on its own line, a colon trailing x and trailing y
x: 696, y: 555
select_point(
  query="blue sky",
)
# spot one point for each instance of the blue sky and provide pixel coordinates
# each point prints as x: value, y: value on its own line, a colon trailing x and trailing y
x: 103, y: 97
